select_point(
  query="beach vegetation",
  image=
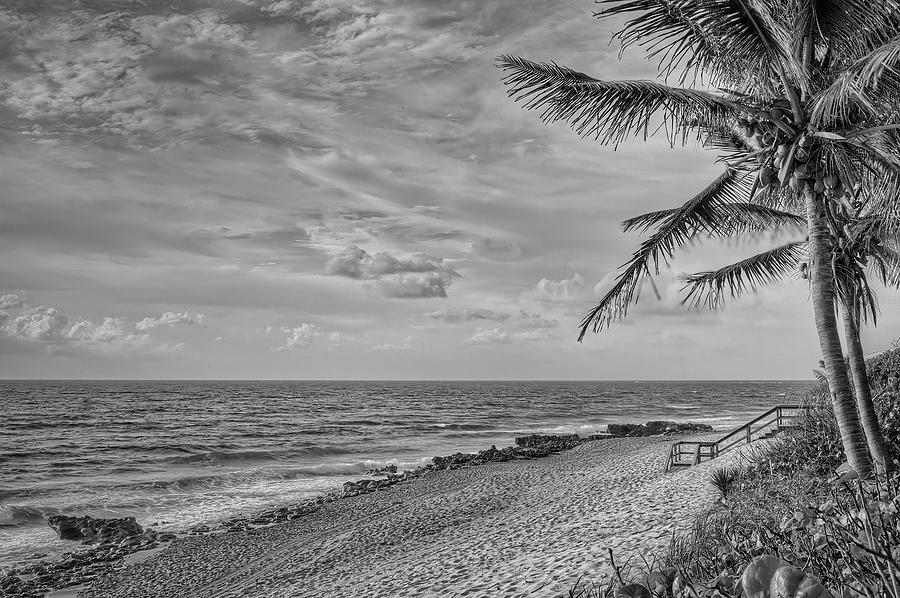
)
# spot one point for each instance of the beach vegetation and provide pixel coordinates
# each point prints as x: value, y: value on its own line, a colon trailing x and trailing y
x: 722, y: 479
x: 806, y: 90
x: 797, y: 523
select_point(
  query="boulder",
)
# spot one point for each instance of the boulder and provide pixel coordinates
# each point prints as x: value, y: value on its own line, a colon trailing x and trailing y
x: 387, y: 469
x: 654, y: 428
x: 91, y: 530
x: 622, y: 429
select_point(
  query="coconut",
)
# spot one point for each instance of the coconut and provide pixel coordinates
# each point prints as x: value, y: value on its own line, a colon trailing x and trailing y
x: 831, y: 181
x: 766, y: 175
x: 801, y: 155
x: 819, y: 186
x: 805, y: 142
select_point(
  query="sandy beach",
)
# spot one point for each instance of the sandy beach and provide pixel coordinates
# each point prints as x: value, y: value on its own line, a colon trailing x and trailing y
x: 511, y: 529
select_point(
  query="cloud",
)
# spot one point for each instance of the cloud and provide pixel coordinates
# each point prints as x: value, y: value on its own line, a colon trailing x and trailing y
x: 11, y: 300
x: 348, y: 263
x: 355, y: 262
x: 560, y: 290
x: 532, y: 327
x: 274, y: 116
x: 489, y: 336
x: 527, y: 320
x: 467, y: 315
x: 496, y: 249
x: 541, y: 334
x: 299, y: 336
x: 48, y: 325
x: 335, y: 341
x: 114, y: 332
x: 419, y: 276
x: 412, y: 286
x: 41, y: 323
x: 404, y: 345
x: 169, y: 318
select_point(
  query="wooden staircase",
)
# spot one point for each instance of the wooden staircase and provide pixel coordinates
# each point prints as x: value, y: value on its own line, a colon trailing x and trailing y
x: 775, y: 420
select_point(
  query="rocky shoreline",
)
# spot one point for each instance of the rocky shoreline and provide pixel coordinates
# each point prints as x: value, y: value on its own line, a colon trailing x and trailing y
x: 112, y: 540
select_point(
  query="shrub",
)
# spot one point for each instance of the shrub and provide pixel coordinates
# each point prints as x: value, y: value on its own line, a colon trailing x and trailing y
x: 884, y: 375
x: 884, y: 369
x: 851, y: 542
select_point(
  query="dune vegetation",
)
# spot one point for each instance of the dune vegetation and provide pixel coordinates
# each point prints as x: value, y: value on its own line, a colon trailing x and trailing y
x: 791, y: 522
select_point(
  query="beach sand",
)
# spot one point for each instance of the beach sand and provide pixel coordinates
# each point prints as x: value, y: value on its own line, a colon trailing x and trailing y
x: 523, y: 528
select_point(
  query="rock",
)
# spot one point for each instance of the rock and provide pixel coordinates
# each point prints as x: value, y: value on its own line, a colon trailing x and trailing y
x: 90, y: 530
x: 543, y: 440
x: 654, y: 428
x: 387, y: 469
x: 622, y: 429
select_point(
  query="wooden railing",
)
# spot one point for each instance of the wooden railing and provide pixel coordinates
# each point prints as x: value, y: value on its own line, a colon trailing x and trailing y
x: 686, y: 453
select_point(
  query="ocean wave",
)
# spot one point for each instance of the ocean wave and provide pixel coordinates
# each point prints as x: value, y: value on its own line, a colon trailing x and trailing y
x: 20, y: 515
x: 357, y: 467
x: 253, y: 455
x: 472, y: 427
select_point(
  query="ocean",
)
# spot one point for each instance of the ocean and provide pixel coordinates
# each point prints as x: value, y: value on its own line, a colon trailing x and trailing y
x: 174, y: 454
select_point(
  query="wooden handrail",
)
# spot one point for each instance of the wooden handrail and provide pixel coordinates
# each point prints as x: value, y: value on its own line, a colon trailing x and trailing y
x: 774, y: 415
x: 763, y: 416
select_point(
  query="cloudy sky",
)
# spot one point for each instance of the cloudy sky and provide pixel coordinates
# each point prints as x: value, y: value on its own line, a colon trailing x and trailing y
x: 338, y: 189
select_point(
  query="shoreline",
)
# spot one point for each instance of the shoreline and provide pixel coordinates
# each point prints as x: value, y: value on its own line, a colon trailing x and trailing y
x: 87, y: 566
x: 77, y: 569
x: 502, y: 529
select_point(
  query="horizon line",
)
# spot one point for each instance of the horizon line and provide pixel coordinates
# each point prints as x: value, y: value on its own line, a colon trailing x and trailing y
x: 424, y: 380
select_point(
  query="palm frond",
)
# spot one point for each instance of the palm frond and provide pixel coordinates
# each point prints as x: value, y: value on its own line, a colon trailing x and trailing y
x: 855, y: 27
x: 612, y: 111
x: 732, y: 218
x: 874, y: 165
x: 870, y: 87
x: 697, y: 214
x: 644, y: 221
x: 885, y: 263
x: 728, y: 141
x: 747, y: 275
x: 740, y: 218
x: 736, y: 42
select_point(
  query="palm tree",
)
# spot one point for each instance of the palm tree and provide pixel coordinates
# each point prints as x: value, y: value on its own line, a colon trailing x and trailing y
x: 859, y: 242
x: 863, y: 243
x: 856, y: 246
x: 812, y: 82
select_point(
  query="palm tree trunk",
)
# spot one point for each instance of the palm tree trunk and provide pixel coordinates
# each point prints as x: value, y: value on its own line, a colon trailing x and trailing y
x: 867, y: 415
x: 821, y: 285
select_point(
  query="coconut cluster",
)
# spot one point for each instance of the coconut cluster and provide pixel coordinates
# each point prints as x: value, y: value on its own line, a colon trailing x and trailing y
x: 799, y: 159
